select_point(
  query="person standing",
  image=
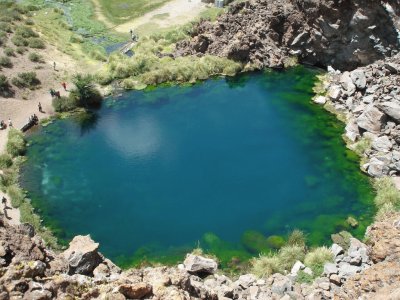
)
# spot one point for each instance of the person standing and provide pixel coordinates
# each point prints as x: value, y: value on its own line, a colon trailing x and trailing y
x: 10, y: 123
x: 40, y: 107
x: 64, y: 85
x: 54, y: 65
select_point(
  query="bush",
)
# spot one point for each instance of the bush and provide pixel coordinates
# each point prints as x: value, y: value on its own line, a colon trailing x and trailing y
x: 316, y: 258
x: 16, y: 194
x: 9, y: 51
x: 288, y: 255
x: 29, y: 22
x: 297, y: 238
x: 265, y: 265
x: 36, y: 43
x: 9, y: 177
x: 34, y: 57
x: 26, y: 80
x: 26, y: 32
x: 85, y: 92
x: 5, y: 161
x: 362, y: 146
x: 21, y: 50
x: 4, y: 85
x: 386, y: 192
x: 64, y: 104
x: 5, y: 62
x: 19, y: 41
x: 16, y: 144
x: 5, y: 27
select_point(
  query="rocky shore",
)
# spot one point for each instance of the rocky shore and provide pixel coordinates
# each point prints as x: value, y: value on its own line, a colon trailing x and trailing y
x: 28, y: 270
x: 369, y: 99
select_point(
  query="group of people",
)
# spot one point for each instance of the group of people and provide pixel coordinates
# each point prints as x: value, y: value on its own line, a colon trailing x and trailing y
x: 3, y: 124
x: 57, y: 94
x: 33, y: 119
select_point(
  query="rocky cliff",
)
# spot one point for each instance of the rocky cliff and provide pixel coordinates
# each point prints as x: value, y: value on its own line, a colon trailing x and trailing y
x: 28, y: 270
x: 344, y: 34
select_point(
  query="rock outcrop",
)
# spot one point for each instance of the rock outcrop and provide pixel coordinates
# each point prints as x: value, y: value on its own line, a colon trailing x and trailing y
x: 343, y: 34
x: 28, y: 270
x: 369, y: 99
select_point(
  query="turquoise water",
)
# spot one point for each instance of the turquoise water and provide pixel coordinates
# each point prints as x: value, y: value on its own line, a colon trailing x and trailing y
x: 223, y: 164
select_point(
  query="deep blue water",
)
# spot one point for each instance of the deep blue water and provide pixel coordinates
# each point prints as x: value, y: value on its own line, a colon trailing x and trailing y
x: 152, y: 172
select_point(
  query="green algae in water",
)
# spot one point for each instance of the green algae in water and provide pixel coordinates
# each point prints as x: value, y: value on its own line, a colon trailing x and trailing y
x: 231, y: 165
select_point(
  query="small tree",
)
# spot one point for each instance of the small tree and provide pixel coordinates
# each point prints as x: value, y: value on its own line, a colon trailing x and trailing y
x: 85, y: 92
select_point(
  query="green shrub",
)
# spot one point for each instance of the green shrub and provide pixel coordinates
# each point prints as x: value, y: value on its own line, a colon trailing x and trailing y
x: 5, y: 62
x: 26, y: 32
x: 316, y: 258
x: 29, y: 22
x: 303, y: 277
x: 362, y: 146
x: 297, y: 238
x: 266, y: 265
x: 26, y: 80
x: 5, y: 27
x: 16, y: 144
x: 385, y: 211
x: 36, y: 43
x: 288, y: 255
x: 35, y: 57
x: 9, y: 51
x: 386, y: 192
x: 5, y: 161
x: 19, y: 41
x: 64, y: 104
x: 16, y: 194
x: 21, y: 50
x: 4, y: 85
x: 85, y: 92
x: 8, y: 178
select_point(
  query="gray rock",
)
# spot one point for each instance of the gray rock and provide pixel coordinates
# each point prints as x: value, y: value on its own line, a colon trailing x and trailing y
x: 319, y: 100
x: 336, y: 250
x: 82, y: 255
x: 281, y: 284
x: 392, y: 68
x: 377, y: 168
x: 334, y: 92
x: 308, y: 271
x: 382, y: 144
x: 368, y: 99
x: 358, y: 250
x: 392, y: 109
x: 371, y: 119
x: 246, y: 280
x: 347, y: 83
x: 200, y: 265
x: 346, y: 270
x: 297, y: 267
x: 359, y: 79
x: 352, y: 131
x: 335, y: 279
x: 330, y: 268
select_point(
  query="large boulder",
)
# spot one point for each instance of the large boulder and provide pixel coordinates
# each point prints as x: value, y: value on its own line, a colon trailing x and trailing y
x: 196, y: 264
x: 382, y: 144
x: 371, y: 119
x: 347, y: 83
x: 359, y: 79
x: 392, y: 109
x: 82, y: 255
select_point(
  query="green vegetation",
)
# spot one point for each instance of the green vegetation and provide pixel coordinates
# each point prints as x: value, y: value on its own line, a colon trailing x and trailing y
x: 26, y: 80
x: 9, y: 51
x: 5, y: 161
x: 16, y: 195
x: 5, y: 62
x: 362, y: 146
x: 36, y: 43
x: 21, y: 50
x: 121, y: 11
x: 19, y: 41
x: 148, y: 67
x: 4, y: 85
x: 294, y: 250
x: 387, y: 198
x: 84, y: 95
x: 34, y: 57
x: 16, y: 144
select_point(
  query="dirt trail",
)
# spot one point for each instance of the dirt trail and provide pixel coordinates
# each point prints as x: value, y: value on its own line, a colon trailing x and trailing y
x: 175, y: 12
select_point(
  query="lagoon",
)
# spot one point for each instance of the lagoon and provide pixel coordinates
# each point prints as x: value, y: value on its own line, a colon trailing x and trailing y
x: 223, y: 164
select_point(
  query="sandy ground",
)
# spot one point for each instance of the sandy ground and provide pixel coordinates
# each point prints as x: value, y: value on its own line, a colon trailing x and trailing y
x: 175, y: 12
x: 25, y: 102
x: 12, y: 214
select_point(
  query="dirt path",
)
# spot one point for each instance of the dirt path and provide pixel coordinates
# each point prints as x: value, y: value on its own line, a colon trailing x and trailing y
x: 175, y: 12
x: 12, y: 214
